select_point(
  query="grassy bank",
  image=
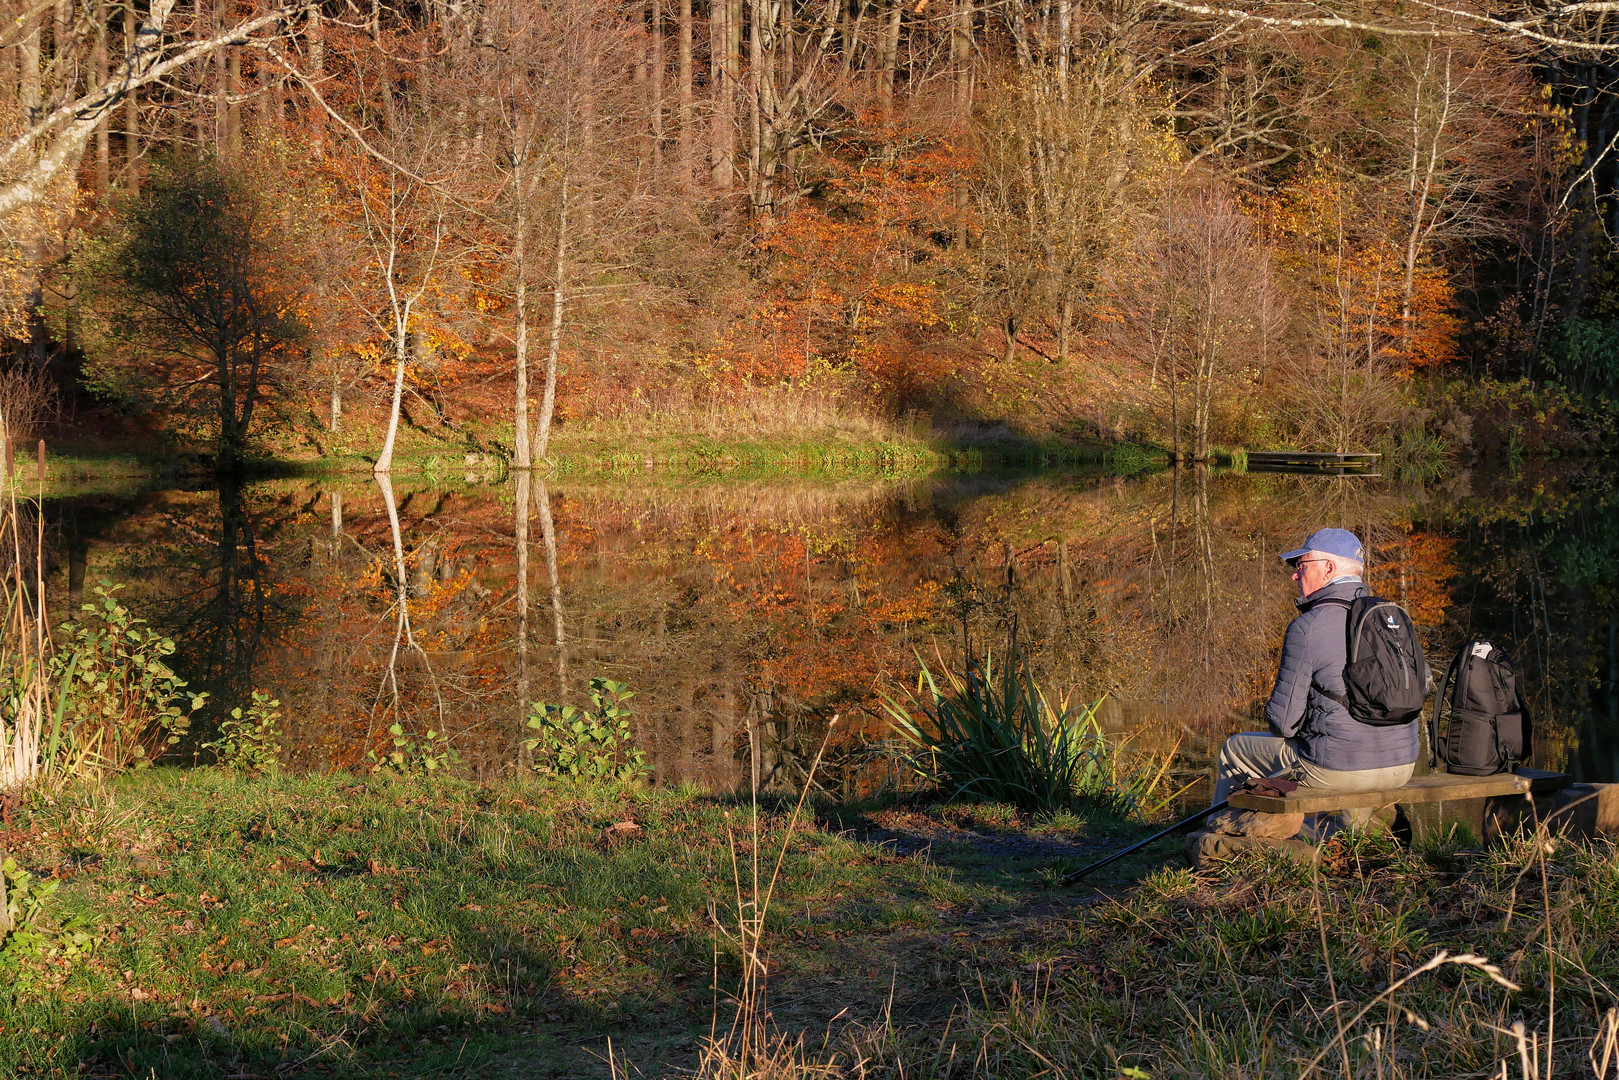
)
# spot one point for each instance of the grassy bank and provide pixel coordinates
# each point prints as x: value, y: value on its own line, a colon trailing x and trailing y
x: 607, y: 450
x: 209, y: 926
x: 369, y: 927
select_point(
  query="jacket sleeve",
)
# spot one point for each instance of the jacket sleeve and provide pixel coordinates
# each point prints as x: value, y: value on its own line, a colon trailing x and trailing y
x: 1285, y: 709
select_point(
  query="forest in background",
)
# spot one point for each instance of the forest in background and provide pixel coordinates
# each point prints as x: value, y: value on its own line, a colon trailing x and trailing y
x: 300, y: 229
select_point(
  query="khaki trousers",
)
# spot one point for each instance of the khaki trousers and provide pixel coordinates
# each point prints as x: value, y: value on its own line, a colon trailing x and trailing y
x: 1259, y: 753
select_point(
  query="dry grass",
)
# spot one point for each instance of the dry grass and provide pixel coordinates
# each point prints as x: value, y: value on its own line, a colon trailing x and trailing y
x: 24, y: 674
x: 1387, y: 965
x: 760, y: 412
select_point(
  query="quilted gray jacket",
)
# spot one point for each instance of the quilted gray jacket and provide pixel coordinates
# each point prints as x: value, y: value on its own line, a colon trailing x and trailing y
x: 1320, y: 729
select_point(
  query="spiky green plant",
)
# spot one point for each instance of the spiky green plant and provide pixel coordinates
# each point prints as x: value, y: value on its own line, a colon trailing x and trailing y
x: 997, y: 735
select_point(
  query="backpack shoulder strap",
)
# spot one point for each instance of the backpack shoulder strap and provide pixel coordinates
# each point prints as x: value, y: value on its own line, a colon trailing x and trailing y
x: 1446, y: 682
x: 1526, y: 724
x: 1349, y: 643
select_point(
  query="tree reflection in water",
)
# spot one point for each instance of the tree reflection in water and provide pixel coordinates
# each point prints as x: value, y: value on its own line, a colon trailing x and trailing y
x: 742, y: 614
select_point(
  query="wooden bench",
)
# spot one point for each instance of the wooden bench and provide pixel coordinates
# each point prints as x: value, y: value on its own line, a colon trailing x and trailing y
x: 1429, y: 788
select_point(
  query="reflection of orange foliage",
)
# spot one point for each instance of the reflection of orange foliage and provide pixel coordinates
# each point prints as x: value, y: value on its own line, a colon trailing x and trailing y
x: 827, y: 639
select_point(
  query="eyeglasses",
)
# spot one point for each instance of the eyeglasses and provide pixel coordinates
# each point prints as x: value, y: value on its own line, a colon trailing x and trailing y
x: 1298, y: 567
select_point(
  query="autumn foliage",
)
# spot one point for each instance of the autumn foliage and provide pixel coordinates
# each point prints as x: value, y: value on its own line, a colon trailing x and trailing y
x: 512, y: 213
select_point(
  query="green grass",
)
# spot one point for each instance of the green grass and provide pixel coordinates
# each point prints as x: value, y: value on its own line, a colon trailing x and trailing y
x: 344, y: 926
x: 995, y: 734
x: 358, y: 923
x: 576, y: 454
x: 610, y: 453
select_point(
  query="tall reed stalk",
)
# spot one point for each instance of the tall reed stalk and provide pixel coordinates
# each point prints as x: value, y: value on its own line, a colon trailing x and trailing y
x: 23, y: 641
x: 23, y: 638
x: 750, y: 1049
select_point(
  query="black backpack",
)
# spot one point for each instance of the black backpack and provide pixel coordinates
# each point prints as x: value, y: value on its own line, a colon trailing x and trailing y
x: 1385, y: 673
x: 1488, y: 730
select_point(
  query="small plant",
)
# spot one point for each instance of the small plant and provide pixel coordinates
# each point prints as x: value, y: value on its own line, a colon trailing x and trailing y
x: 593, y: 742
x: 429, y: 754
x: 250, y: 740
x: 121, y: 698
x: 31, y: 935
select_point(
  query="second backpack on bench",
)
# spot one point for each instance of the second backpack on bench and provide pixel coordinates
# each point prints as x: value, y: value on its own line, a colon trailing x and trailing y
x: 1487, y: 729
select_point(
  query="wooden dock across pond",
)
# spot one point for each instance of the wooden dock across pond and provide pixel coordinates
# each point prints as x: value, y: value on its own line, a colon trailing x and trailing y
x: 1434, y: 787
x: 1310, y: 459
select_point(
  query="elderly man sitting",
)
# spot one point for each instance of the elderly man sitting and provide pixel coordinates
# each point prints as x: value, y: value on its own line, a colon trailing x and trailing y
x: 1312, y: 737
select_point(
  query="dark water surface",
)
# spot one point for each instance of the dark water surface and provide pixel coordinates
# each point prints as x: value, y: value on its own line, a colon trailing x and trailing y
x: 744, y: 614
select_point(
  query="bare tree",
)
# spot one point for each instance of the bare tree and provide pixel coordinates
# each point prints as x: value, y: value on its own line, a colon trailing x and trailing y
x: 1068, y: 163
x: 564, y: 118
x: 1197, y: 305
x: 406, y: 227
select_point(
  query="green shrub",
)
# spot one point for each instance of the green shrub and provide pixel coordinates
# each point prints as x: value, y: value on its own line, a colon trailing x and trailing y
x: 32, y: 931
x: 997, y: 736
x: 593, y: 743
x: 120, y: 707
x: 1128, y: 458
x: 250, y: 740
x: 430, y: 754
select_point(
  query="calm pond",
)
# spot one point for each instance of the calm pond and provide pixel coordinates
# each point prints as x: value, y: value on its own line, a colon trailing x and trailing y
x: 744, y: 614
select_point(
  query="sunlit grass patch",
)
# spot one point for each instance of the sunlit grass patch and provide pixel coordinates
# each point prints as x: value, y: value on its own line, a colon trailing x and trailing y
x: 267, y: 920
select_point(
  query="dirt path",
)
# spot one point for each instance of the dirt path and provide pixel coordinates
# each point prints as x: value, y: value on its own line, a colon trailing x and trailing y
x: 907, y: 975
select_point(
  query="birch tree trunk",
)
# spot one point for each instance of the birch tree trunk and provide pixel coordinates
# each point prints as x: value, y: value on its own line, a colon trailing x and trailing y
x: 961, y: 56
x: 542, y: 434
x: 758, y: 86
x: 658, y: 64
x: 28, y: 61
x: 722, y: 139
x: 520, y: 450
x: 132, y: 111
x: 401, y: 338
x: 317, y: 67
x: 1065, y: 20
x: 890, y: 60
x: 98, y: 70
x: 233, y: 108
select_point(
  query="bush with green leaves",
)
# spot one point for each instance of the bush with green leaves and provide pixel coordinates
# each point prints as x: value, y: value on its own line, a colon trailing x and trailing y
x: 250, y: 740
x: 409, y: 754
x: 32, y: 931
x: 121, y: 708
x: 592, y: 743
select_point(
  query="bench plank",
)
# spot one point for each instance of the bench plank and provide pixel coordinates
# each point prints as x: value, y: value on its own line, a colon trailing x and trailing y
x: 1433, y: 787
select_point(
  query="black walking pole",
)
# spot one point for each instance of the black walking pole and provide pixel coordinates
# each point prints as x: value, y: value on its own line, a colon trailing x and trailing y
x: 1203, y: 813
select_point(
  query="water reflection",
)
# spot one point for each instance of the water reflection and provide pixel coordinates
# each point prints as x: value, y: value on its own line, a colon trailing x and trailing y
x: 744, y: 615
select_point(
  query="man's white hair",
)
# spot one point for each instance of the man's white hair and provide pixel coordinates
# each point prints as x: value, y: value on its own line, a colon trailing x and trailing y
x: 1345, y: 565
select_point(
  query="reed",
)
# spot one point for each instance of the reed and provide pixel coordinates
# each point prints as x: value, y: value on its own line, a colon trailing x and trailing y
x: 24, y: 669
x: 997, y: 735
